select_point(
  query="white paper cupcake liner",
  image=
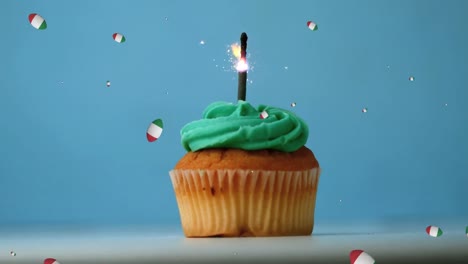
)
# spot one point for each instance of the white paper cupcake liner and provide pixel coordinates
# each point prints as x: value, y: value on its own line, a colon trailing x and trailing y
x: 246, y: 202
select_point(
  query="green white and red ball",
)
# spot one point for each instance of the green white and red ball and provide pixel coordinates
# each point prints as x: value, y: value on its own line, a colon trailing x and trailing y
x: 312, y: 26
x: 434, y: 231
x: 37, y: 21
x: 118, y: 37
x: 154, y: 130
x: 358, y: 256
x: 51, y: 261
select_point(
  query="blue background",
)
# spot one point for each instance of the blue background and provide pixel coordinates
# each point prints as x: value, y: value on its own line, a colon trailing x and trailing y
x: 74, y: 152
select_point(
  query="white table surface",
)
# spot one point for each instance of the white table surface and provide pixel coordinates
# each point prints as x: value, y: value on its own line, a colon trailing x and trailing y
x: 328, y: 244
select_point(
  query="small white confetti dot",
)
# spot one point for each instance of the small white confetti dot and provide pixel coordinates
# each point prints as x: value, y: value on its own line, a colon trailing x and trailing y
x: 202, y: 42
x: 364, y: 110
x: 293, y: 104
x: 340, y: 200
x: 13, y: 253
x: 108, y: 84
x: 446, y: 104
x: 411, y: 78
x: 285, y: 67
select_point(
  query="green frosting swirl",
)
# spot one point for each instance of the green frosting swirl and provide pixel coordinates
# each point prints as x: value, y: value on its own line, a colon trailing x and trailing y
x: 227, y: 125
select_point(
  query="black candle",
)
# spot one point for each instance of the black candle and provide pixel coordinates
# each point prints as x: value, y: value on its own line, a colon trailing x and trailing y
x: 242, y: 86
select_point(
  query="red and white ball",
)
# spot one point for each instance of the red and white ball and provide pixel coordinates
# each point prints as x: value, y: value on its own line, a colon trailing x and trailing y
x: 263, y: 114
x: 358, y: 256
x: 51, y: 261
x: 312, y: 26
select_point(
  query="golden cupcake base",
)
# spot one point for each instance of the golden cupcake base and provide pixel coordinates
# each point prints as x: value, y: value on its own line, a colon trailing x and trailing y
x: 235, y: 203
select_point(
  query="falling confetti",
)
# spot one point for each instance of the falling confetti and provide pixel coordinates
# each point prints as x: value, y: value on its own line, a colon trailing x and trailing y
x: 51, y: 261
x: 263, y: 114
x: 364, y: 110
x: 154, y: 130
x: 312, y: 25
x: 293, y: 104
x: 108, y: 83
x: 358, y: 256
x: 286, y: 67
x: 434, y: 231
x: 202, y: 42
x: 411, y: 78
x: 37, y: 21
x: 13, y: 253
x: 119, y: 38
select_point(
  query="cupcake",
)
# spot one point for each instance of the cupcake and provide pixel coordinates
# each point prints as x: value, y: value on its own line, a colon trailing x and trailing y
x: 247, y: 172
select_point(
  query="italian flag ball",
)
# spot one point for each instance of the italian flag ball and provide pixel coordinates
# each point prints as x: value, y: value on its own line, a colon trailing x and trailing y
x: 118, y: 37
x: 154, y: 130
x: 360, y: 257
x: 37, y: 21
x: 433, y: 231
x: 312, y: 26
x: 51, y: 261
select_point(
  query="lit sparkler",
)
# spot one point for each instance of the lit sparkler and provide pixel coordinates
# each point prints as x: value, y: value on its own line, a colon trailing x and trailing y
x: 242, y: 67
